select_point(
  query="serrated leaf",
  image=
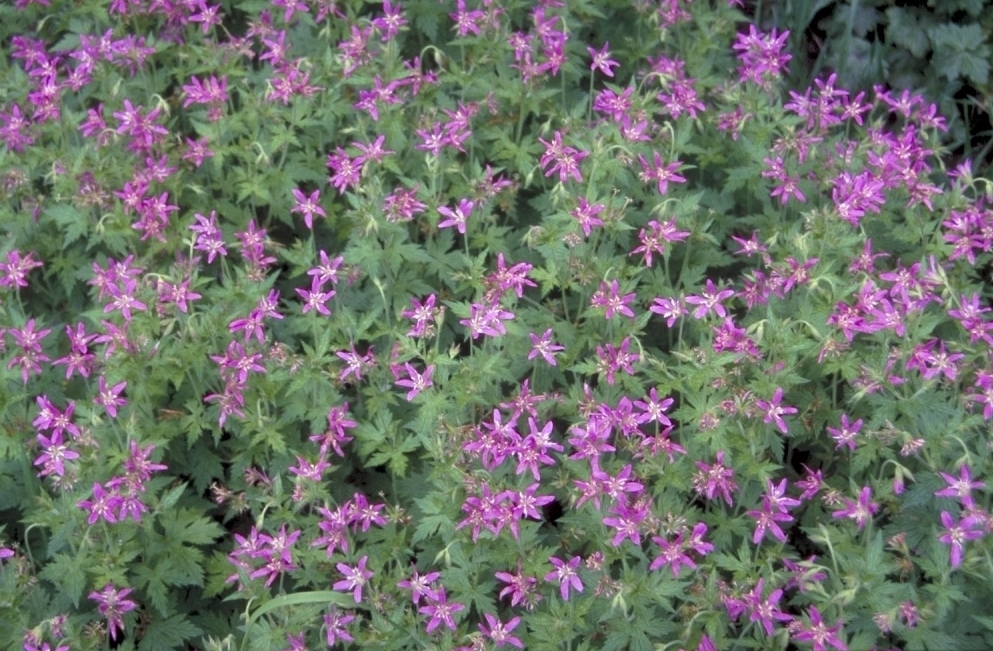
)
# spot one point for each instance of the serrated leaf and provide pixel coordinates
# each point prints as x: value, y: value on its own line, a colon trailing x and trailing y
x: 153, y: 581
x: 169, y: 499
x: 185, y: 526
x: 66, y: 573
x: 904, y: 29
x: 168, y: 634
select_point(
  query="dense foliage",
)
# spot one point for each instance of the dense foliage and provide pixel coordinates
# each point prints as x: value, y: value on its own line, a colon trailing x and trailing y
x: 480, y: 324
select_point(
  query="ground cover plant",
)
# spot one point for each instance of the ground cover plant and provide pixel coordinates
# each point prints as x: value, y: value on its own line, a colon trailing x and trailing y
x: 470, y: 325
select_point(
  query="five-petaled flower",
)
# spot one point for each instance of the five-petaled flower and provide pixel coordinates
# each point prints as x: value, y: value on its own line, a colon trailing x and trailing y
x: 113, y: 605
x: 415, y: 381
x: 774, y: 411
x: 355, y: 578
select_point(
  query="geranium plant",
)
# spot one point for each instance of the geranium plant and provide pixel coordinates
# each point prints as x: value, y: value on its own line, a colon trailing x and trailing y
x: 479, y: 325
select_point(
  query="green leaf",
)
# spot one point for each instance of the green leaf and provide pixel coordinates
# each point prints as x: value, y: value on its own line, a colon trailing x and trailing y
x: 185, y: 526
x: 169, y: 499
x: 904, y: 29
x: 66, y: 573
x: 167, y: 634
x: 71, y: 222
x: 154, y: 582
x: 960, y: 51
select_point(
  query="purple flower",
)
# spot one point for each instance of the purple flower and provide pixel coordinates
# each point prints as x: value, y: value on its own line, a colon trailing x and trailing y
x: 960, y: 487
x: 660, y: 172
x: 562, y: 159
x: 500, y: 632
x: 709, y: 301
x: 544, y: 346
x: 601, y: 60
x: 609, y: 298
x: 819, y: 634
x: 415, y: 381
x: 335, y: 623
x: 457, y: 217
x: 765, y: 611
x: 419, y: 586
x: 355, y: 578
x: 565, y: 575
x: 626, y: 520
x: 716, y: 478
x: 110, y: 397
x: 54, y: 455
x: 861, y: 511
x: 519, y: 587
x: 774, y: 412
x: 440, y: 610
x: 957, y: 534
x: 586, y: 214
x: 308, y: 205
x: 113, y: 605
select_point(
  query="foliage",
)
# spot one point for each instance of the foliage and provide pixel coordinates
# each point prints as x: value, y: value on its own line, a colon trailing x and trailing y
x: 939, y: 49
x: 449, y: 325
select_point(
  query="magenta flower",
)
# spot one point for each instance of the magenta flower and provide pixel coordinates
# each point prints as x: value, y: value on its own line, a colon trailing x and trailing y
x: 710, y: 301
x: 861, y: 511
x: 521, y: 588
x: 960, y: 487
x: 846, y: 435
x: 457, y: 217
x: 500, y: 632
x: 587, y: 215
x: 335, y: 623
x: 609, y: 298
x: 110, y: 397
x: 415, y: 381
x: 308, y: 205
x: 419, y: 585
x: 55, y: 454
x: 715, y: 478
x: 774, y: 412
x: 601, y: 60
x: 957, y: 534
x: 355, y: 578
x: 315, y: 298
x: 544, y: 346
x: 765, y: 611
x: 441, y: 610
x: 819, y: 634
x: 562, y: 159
x: 660, y: 172
x: 565, y: 575
x: 113, y: 604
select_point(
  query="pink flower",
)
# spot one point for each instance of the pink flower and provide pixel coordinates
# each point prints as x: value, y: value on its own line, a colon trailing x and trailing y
x: 457, y: 217
x: 500, y: 632
x: 565, y: 575
x: 774, y: 412
x: 957, y: 534
x: 355, y: 578
x: 440, y: 610
x: 113, y: 605
x: 860, y: 511
x: 960, y: 487
x: 308, y: 205
x: 601, y: 60
x: 544, y: 346
x: 846, y: 435
x: 709, y: 301
x: 335, y: 623
x: 415, y: 381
